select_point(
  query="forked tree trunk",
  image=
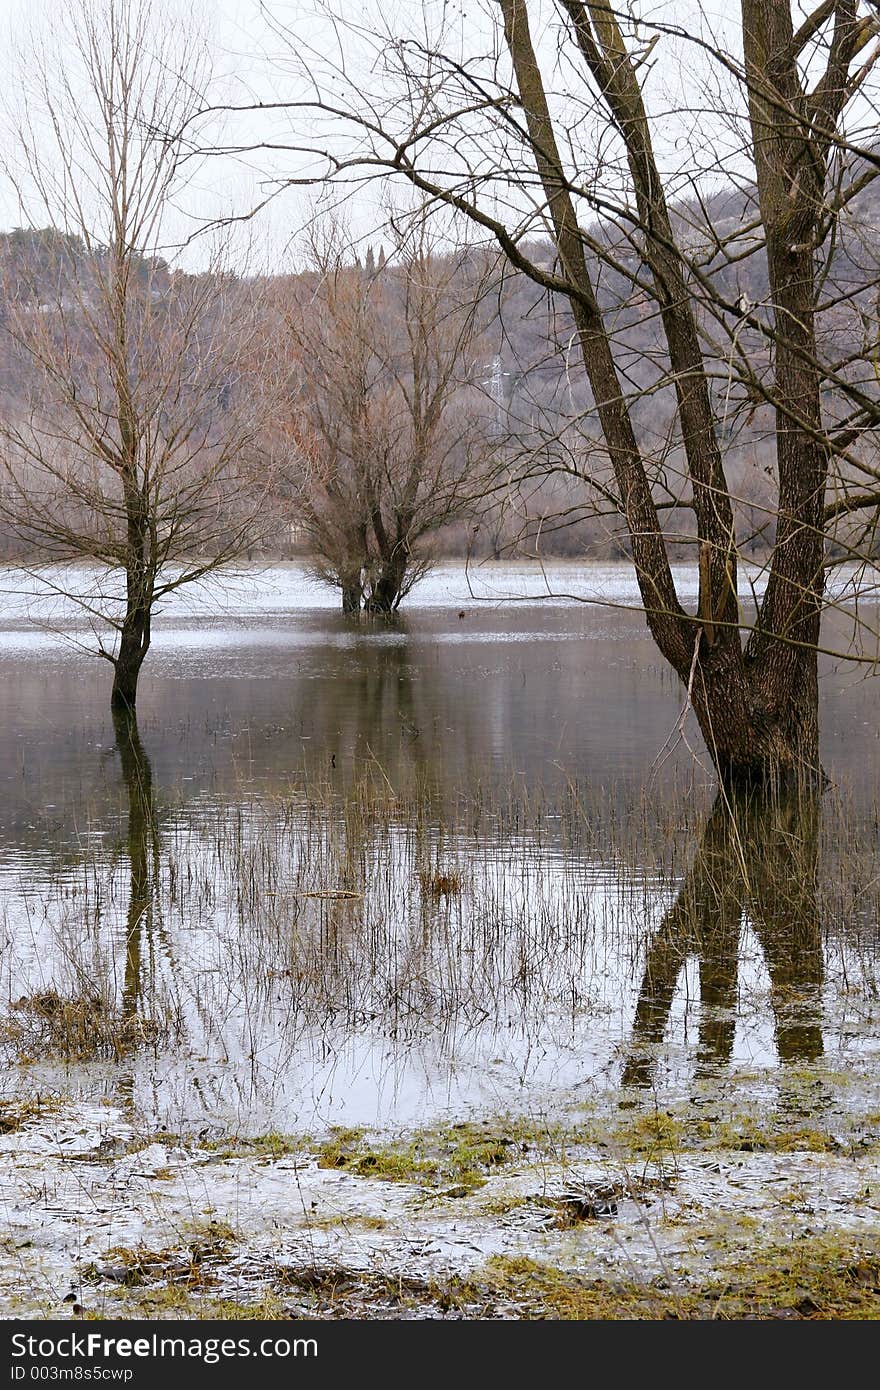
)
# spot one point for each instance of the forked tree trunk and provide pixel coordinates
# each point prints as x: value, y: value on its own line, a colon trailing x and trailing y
x: 760, y: 724
x: 756, y: 703
x: 385, y: 597
x: 387, y: 591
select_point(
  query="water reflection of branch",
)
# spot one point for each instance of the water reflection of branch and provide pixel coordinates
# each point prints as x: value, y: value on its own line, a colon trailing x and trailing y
x: 757, y: 858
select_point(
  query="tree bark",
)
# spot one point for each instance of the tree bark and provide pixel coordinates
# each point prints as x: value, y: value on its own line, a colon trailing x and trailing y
x: 387, y: 591
x: 134, y: 640
x: 133, y: 646
x: 352, y: 593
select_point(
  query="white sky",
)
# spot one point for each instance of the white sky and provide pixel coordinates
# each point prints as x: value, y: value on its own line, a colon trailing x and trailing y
x: 252, y: 62
x: 240, y: 42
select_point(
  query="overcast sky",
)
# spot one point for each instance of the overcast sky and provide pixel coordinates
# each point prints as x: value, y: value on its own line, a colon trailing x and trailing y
x: 254, y: 61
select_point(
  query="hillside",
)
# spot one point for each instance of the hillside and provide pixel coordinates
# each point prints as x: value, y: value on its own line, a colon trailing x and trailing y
x: 532, y: 372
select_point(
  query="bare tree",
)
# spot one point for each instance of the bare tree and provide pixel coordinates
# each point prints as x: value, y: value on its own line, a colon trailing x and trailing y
x: 125, y: 441
x: 563, y: 135
x: 388, y: 428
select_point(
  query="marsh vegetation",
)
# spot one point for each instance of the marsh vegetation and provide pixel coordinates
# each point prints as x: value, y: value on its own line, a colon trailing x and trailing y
x: 517, y: 956
x: 358, y: 928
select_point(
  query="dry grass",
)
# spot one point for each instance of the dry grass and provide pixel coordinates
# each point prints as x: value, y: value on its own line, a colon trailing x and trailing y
x: 379, y: 907
x: 44, y: 1024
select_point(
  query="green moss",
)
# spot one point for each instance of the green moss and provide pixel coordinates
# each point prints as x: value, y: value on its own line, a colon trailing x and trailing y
x: 675, y: 1131
x: 271, y: 1145
x: 503, y: 1206
x: 188, y: 1264
x: 386, y: 1162
x: 267, y: 1308
x: 181, y: 1302
x: 214, y: 1233
x: 817, y: 1279
x: 463, y: 1154
x: 752, y: 1136
x: 538, y: 1290
x: 822, y: 1277
x: 342, y: 1144
x: 452, y: 1159
x: 658, y: 1132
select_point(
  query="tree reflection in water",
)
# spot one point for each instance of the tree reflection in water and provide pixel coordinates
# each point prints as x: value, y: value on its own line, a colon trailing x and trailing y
x: 757, y: 860
x: 143, y: 843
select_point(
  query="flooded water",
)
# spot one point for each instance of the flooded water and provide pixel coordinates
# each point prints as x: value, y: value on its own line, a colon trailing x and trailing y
x: 375, y: 874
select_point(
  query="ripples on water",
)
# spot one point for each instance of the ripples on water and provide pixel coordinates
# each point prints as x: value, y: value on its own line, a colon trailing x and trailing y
x: 369, y: 874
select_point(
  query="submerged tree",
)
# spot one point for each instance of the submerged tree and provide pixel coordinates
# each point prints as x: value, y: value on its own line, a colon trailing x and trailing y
x: 567, y: 136
x: 386, y: 428
x: 127, y: 439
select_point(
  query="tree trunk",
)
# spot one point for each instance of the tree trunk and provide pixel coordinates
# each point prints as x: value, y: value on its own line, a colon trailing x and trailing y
x: 127, y: 665
x: 757, y: 706
x: 753, y: 737
x: 386, y: 593
x: 134, y: 640
x: 352, y: 594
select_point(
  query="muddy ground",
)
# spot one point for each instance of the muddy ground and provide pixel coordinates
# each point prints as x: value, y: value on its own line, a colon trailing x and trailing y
x: 748, y: 1197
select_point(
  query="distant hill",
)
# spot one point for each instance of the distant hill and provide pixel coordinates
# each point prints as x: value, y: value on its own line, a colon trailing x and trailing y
x: 533, y: 370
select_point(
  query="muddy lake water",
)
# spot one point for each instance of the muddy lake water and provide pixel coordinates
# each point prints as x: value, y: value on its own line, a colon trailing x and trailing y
x: 380, y: 878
